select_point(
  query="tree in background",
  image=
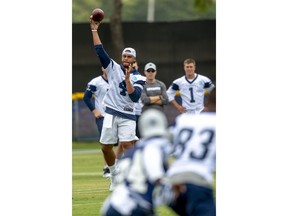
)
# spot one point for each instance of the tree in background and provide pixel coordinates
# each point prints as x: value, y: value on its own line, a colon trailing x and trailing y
x: 116, y: 30
x: 203, y: 5
x: 136, y: 10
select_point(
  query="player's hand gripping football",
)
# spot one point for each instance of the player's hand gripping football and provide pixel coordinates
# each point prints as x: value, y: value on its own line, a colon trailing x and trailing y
x: 94, y: 24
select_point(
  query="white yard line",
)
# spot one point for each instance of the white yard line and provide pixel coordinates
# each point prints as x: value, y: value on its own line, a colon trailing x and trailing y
x: 87, y: 151
x: 88, y: 174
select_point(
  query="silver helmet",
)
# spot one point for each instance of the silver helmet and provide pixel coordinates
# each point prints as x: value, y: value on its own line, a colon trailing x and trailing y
x: 153, y: 122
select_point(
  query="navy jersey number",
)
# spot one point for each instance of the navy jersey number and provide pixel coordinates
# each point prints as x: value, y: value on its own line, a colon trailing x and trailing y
x: 122, y: 87
x: 206, y: 137
x: 191, y: 94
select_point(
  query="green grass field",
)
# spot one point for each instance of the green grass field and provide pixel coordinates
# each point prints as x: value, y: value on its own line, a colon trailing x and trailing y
x: 89, y: 188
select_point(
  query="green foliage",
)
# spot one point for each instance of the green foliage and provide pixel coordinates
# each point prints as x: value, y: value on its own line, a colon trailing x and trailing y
x: 81, y: 9
x: 136, y: 10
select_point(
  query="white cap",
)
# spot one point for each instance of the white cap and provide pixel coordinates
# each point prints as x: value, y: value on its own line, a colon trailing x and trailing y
x: 150, y: 65
x: 153, y: 122
x: 129, y: 51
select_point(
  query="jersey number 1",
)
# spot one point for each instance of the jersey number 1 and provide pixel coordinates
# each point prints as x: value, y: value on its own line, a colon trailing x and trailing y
x: 191, y: 94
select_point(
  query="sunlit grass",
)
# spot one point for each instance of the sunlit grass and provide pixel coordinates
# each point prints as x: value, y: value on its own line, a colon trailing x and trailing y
x: 89, y: 188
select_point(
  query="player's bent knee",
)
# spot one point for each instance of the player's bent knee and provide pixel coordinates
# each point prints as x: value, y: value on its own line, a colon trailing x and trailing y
x: 127, y: 145
x: 106, y: 148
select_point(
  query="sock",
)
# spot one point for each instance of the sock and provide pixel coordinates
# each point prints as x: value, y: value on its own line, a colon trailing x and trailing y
x: 116, y: 161
x: 112, y: 168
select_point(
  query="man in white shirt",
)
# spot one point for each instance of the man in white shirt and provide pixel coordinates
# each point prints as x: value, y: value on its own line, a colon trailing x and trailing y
x: 192, y: 88
x: 125, y: 87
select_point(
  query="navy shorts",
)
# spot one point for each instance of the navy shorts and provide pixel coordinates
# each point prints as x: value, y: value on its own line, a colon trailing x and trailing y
x: 196, y: 201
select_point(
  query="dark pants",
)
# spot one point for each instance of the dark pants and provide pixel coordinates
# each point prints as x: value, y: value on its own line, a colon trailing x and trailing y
x: 195, y: 201
x: 136, y: 212
x: 137, y: 129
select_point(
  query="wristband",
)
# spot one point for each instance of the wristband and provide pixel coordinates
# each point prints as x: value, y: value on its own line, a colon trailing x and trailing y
x: 94, y: 30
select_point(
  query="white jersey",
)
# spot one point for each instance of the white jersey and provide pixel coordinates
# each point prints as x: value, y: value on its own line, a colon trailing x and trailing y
x: 98, y: 87
x: 138, y: 108
x: 192, y: 92
x: 117, y: 97
x: 195, y: 145
x: 139, y: 104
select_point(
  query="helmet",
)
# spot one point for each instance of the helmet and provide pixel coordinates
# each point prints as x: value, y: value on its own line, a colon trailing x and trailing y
x: 153, y: 122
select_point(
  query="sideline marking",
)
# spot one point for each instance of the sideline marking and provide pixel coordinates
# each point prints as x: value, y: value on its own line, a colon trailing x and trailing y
x: 87, y: 151
x: 88, y: 174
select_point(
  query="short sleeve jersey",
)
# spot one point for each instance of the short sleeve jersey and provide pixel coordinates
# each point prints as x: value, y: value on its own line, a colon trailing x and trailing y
x: 192, y: 92
x: 117, y: 98
x: 98, y: 87
x: 195, y: 145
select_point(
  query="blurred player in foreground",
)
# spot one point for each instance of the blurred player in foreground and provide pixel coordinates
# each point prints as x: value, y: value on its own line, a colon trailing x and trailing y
x: 125, y: 88
x: 97, y: 88
x: 142, y: 170
x: 192, y: 173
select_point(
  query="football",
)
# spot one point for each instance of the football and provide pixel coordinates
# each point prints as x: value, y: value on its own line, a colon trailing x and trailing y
x: 97, y: 15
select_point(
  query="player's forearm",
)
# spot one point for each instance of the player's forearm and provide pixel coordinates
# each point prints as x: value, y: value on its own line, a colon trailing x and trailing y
x: 180, y: 108
x: 129, y: 87
x: 97, y: 113
x: 136, y: 94
x: 96, y: 38
x: 175, y: 104
x: 87, y: 100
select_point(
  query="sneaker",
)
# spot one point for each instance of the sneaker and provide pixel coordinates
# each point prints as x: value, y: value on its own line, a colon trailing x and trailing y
x: 111, y: 187
x: 113, y: 180
x: 106, y: 172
